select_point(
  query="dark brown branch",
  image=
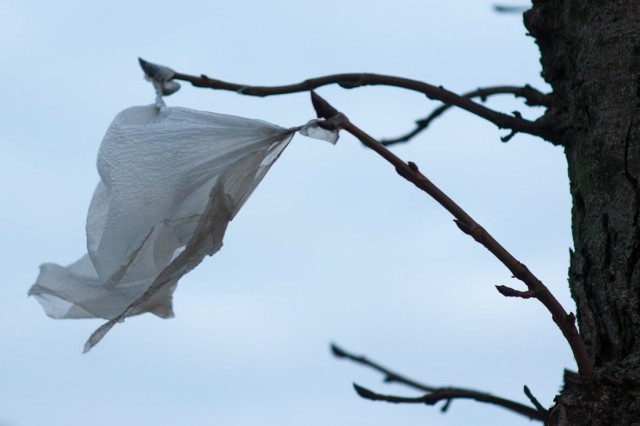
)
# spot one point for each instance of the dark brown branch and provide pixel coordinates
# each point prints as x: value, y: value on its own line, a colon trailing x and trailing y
x: 448, y: 395
x: 353, y: 80
x: 535, y: 401
x: 434, y: 394
x: 532, y: 97
x: 564, y: 321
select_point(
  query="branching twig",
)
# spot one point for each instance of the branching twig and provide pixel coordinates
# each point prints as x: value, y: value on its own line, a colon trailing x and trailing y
x: 434, y: 394
x: 350, y: 81
x: 532, y: 97
x: 564, y: 321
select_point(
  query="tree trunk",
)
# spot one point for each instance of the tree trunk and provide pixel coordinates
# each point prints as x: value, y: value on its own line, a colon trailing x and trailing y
x: 590, y: 54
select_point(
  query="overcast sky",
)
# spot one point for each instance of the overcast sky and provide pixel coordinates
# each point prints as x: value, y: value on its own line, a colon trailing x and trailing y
x: 333, y: 246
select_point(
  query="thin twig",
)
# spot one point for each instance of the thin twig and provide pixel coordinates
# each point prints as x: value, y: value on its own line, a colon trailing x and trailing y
x: 389, y: 376
x: 535, y: 401
x: 449, y: 394
x: 532, y: 97
x: 410, y: 171
x: 353, y: 80
x: 434, y: 394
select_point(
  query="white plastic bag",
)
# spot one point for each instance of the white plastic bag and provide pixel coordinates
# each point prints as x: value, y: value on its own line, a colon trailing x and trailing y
x: 171, y: 180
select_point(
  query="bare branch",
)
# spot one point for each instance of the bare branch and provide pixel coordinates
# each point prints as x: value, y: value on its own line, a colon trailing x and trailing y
x: 389, y: 376
x: 448, y: 395
x: 535, y: 401
x: 434, y: 394
x: 564, y: 321
x: 532, y: 97
x: 353, y: 80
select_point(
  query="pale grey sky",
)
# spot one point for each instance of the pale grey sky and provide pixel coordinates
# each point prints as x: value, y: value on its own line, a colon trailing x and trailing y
x: 332, y: 246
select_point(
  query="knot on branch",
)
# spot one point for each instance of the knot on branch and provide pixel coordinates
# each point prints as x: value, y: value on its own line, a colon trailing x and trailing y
x: 361, y: 80
x: 337, y: 122
x: 474, y: 231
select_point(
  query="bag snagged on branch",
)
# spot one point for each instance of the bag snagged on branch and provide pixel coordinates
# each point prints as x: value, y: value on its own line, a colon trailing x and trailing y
x: 171, y: 180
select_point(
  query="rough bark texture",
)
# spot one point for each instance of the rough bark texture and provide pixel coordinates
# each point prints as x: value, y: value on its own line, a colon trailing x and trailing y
x: 590, y: 54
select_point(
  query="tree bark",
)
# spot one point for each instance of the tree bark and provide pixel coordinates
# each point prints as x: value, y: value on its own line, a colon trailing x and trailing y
x: 590, y: 55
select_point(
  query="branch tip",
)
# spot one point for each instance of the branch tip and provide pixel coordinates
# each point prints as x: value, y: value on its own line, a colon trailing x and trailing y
x: 535, y: 401
x: 364, y: 392
x: 337, y: 351
x: 512, y: 292
x: 508, y: 137
x: 322, y: 107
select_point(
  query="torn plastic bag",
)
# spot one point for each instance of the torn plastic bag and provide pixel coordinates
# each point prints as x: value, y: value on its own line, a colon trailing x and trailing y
x: 171, y: 180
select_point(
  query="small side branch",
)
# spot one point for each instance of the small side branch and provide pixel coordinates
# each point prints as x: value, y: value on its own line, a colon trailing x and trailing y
x: 434, y: 394
x: 531, y: 96
x: 535, y: 401
x: 410, y: 171
x: 511, y: 292
x: 353, y: 80
x: 389, y: 376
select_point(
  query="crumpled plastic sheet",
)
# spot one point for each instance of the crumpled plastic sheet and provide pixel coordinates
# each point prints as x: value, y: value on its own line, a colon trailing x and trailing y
x: 171, y: 181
